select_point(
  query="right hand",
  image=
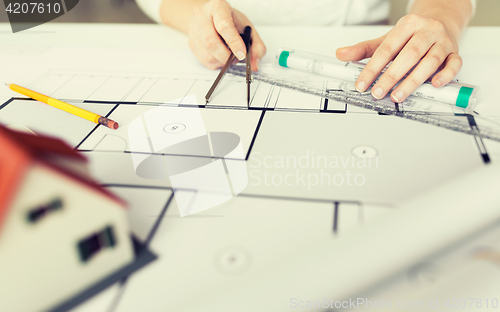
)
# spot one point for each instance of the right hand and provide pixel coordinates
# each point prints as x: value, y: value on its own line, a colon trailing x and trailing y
x: 215, y: 22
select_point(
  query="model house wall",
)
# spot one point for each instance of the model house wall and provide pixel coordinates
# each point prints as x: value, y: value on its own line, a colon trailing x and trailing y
x: 59, y: 237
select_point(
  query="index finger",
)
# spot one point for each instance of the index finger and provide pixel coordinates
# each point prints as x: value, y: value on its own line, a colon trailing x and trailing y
x: 386, y: 52
x: 224, y: 24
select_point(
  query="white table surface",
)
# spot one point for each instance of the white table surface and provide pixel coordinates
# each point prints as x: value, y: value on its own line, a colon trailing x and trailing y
x: 476, y: 41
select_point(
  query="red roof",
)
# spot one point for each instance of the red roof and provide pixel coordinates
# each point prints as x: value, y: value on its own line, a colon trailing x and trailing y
x: 18, y: 150
x: 42, y: 146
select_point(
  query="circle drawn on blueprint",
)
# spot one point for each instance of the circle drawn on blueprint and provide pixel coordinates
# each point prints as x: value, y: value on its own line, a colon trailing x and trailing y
x: 364, y: 151
x: 233, y: 260
x: 174, y: 128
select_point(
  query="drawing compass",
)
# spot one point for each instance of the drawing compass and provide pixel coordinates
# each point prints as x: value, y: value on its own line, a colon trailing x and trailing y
x: 248, y: 42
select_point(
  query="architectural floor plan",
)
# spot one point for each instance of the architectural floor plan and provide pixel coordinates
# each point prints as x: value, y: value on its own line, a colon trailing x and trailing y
x: 314, y: 168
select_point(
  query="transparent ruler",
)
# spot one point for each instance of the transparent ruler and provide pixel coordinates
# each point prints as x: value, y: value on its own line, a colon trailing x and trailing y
x: 426, y: 111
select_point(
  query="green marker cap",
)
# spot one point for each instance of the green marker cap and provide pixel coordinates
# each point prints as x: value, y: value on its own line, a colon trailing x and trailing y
x: 464, y: 96
x: 283, y: 59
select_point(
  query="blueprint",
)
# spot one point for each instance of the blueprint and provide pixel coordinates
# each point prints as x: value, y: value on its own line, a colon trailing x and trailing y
x: 209, y: 185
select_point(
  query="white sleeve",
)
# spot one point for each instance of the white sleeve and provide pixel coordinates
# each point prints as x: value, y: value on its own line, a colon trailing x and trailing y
x: 472, y: 2
x: 151, y: 8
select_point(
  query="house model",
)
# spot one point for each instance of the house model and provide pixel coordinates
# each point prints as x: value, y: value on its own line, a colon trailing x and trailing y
x: 60, y: 232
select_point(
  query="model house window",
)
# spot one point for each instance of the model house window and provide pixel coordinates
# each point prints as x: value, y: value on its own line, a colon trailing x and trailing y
x: 37, y: 213
x: 91, y: 245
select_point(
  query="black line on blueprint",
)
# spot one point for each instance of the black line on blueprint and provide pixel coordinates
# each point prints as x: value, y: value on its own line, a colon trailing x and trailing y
x: 138, y: 83
x: 101, y: 85
x: 216, y: 106
x: 301, y: 199
x: 191, y: 87
x: 162, y: 104
x: 101, y: 102
x: 151, y: 187
x: 191, y: 105
x: 335, y: 216
x: 39, y: 79
x: 239, y: 108
x: 182, y: 155
x: 158, y: 221
x: 254, y: 93
x: 107, y: 102
x: 112, y: 110
x: 255, y: 134
x: 326, y: 100
x: 150, y: 87
x: 259, y: 108
x: 23, y: 99
x: 277, y: 97
x: 297, y: 110
x: 325, y: 108
x: 95, y: 128
x: 64, y: 83
x: 123, y: 281
x: 87, y: 136
x: 332, y: 111
x: 316, y: 200
x: 137, y: 186
x: 162, y: 154
x: 6, y: 103
x: 269, y: 94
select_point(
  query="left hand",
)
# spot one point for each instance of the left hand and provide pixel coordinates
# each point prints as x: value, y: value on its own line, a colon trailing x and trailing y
x: 415, y: 40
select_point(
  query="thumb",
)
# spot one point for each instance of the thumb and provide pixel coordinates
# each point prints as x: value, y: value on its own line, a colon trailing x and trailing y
x: 359, y: 51
x: 258, y: 47
x: 225, y: 26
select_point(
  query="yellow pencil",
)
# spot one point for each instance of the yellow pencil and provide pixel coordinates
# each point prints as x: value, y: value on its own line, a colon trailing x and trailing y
x: 77, y: 111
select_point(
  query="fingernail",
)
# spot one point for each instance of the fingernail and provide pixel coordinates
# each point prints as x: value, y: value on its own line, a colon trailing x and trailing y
x: 398, y: 96
x: 361, y: 86
x: 439, y: 82
x: 240, y: 55
x: 257, y: 62
x: 377, y: 93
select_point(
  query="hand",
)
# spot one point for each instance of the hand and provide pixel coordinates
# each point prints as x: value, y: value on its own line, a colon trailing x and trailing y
x: 415, y: 40
x: 216, y: 22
